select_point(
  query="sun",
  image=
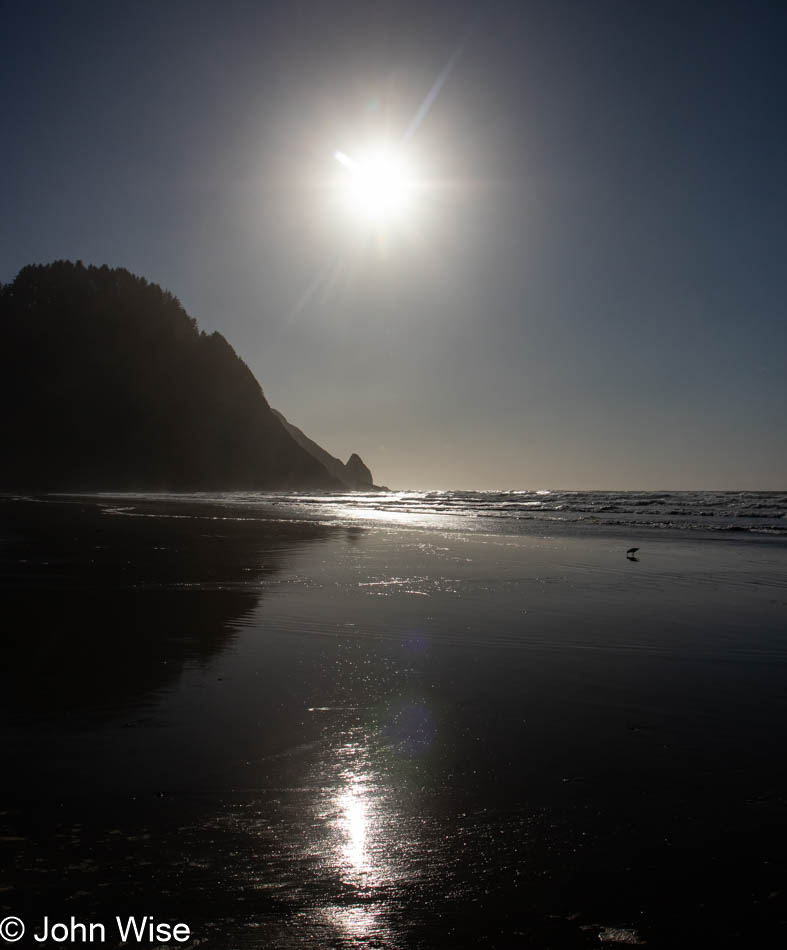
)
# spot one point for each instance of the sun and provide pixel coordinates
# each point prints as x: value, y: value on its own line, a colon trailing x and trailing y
x: 377, y: 185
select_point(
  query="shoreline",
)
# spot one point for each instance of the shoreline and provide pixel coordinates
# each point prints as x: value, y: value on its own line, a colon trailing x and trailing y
x: 334, y: 510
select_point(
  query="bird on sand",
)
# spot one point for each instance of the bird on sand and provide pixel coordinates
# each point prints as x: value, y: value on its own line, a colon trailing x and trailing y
x: 631, y: 552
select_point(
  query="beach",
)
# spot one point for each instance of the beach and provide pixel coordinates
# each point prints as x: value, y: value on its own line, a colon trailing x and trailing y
x: 390, y: 727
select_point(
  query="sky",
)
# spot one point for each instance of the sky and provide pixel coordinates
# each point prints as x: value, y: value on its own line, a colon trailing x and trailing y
x: 586, y: 290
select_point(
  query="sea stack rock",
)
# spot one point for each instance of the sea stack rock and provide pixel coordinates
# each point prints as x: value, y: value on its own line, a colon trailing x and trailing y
x: 354, y: 475
x: 358, y: 472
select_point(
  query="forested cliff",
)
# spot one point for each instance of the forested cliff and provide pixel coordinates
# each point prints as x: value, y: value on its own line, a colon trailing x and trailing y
x: 107, y: 383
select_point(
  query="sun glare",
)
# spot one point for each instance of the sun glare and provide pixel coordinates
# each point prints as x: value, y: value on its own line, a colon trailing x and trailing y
x: 377, y: 185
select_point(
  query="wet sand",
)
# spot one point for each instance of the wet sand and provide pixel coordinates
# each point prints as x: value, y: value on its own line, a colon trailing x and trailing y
x: 294, y: 734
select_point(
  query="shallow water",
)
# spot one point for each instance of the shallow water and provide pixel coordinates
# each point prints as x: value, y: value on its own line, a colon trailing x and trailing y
x: 717, y: 513
x: 295, y: 732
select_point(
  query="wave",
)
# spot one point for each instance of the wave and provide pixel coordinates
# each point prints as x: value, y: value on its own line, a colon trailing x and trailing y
x: 714, y: 513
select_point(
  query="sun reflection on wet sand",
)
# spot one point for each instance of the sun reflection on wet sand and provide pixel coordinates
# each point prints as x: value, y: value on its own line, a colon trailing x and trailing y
x: 357, y: 846
x: 341, y: 841
x: 370, y: 829
x: 354, y: 820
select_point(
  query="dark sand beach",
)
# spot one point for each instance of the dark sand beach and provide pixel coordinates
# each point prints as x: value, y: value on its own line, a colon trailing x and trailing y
x: 293, y: 732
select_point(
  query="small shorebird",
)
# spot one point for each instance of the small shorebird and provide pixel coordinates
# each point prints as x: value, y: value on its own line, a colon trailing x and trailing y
x: 631, y: 552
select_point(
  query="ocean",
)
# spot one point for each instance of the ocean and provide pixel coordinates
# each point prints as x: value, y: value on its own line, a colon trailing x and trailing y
x: 756, y: 513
